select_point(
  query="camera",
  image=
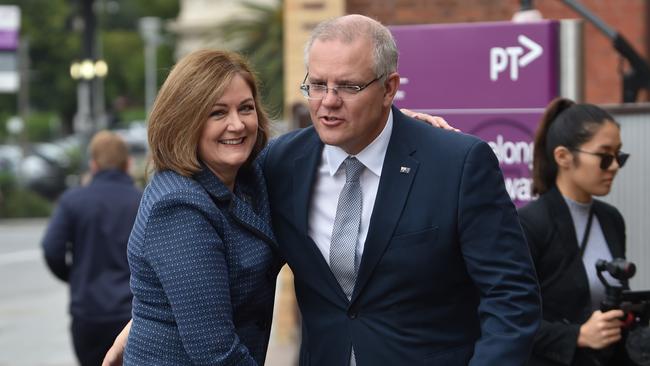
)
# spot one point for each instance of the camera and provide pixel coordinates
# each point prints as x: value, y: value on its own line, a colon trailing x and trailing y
x: 635, y: 305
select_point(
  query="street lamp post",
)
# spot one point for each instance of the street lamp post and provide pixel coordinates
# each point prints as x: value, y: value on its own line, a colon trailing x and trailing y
x: 527, y: 13
x: 150, y: 33
x: 84, y: 121
x: 86, y: 72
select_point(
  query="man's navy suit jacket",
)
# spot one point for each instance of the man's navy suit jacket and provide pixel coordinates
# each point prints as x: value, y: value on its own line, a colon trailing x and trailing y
x: 446, y: 276
x: 96, y: 220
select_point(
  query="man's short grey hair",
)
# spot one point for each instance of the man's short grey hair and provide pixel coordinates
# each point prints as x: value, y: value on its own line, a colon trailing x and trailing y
x: 349, y: 28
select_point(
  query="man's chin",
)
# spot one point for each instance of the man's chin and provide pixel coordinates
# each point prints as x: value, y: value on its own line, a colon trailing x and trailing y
x: 328, y: 135
x: 330, y: 139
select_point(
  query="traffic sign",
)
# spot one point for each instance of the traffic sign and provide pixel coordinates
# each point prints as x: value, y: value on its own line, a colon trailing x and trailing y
x: 9, y: 27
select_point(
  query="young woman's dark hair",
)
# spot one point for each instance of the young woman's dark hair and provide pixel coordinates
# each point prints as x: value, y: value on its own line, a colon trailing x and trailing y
x: 567, y: 124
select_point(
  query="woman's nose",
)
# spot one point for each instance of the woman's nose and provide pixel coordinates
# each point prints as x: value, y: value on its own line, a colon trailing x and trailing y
x: 235, y: 122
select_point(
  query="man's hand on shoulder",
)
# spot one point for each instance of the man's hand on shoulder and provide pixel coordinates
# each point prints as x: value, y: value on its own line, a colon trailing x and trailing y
x: 434, y: 121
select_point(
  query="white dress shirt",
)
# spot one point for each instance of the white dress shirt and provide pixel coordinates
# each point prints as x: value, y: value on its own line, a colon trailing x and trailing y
x: 329, y: 183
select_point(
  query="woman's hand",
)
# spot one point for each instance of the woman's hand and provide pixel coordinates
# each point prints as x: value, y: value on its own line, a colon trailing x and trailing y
x: 434, y: 121
x: 116, y: 352
x: 601, y: 330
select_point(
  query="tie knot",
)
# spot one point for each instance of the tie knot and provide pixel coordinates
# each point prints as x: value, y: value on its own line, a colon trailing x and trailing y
x: 353, y: 169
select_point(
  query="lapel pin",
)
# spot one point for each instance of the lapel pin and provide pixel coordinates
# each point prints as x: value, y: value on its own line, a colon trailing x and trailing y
x: 404, y: 170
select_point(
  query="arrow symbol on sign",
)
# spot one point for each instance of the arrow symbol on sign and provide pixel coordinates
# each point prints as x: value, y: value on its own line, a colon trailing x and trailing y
x: 535, y: 50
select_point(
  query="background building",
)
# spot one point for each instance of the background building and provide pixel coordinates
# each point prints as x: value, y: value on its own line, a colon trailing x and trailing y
x: 197, y: 21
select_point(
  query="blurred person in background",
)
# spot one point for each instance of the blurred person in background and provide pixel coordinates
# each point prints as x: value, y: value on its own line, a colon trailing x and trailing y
x: 577, y: 155
x: 85, y: 245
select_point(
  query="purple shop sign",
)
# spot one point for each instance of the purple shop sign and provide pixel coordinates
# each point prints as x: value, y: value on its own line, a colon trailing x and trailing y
x: 477, y: 65
x: 510, y: 135
x: 8, y: 40
x: 491, y: 80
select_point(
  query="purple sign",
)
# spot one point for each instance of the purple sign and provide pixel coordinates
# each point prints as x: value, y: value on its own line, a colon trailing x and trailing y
x: 8, y: 40
x: 491, y: 80
x: 477, y: 65
x: 511, y: 137
x: 9, y: 27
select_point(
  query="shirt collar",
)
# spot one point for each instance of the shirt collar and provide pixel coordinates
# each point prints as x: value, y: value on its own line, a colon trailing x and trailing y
x: 372, y: 156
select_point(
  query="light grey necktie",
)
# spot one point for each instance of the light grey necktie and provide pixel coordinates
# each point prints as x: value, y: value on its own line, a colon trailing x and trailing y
x: 345, y: 233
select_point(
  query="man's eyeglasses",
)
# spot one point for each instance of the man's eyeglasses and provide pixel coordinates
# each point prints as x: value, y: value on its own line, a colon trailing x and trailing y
x: 319, y: 91
x: 607, y: 159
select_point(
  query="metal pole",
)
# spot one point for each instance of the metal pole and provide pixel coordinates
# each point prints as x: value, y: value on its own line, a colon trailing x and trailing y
x: 84, y: 119
x: 99, y: 107
x: 571, y: 59
x: 596, y: 21
x: 526, y: 5
x: 639, y: 75
x: 89, y: 36
x: 150, y: 32
x: 150, y: 75
x: 23, y: 89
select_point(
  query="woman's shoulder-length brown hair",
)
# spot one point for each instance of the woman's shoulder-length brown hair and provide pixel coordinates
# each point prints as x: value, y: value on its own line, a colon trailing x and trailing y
x: 184, y: 103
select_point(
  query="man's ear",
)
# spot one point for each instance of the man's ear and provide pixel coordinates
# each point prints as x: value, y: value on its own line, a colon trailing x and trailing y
x: 563, y: 157
x: 391, y: 86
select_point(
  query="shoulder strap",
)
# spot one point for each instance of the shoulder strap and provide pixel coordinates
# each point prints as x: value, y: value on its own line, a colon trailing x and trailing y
x: 585, y: 237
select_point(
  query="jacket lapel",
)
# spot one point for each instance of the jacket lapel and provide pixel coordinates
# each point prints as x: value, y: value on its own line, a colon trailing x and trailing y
x: 564, y: 224
x: 241, y: 208
x: 242, y: 212
x: 563, y: 221
x: 397, y: 175
x: 304, y: 176
x: 616, y: 248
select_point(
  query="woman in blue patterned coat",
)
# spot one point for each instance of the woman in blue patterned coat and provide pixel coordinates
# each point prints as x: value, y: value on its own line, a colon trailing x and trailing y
x: 202, y: 252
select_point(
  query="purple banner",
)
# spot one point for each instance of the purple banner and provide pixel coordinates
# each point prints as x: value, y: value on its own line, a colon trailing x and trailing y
x: 477, y: 65
x: 511, y: 137
x: 491, y: 80
x: 8, y: 40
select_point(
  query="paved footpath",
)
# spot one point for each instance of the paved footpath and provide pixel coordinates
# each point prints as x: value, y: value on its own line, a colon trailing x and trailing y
x: 34, y: 319
x: 33, y: 304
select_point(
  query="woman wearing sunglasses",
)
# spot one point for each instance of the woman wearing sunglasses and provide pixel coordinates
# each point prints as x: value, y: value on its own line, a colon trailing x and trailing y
x: 577, y: 155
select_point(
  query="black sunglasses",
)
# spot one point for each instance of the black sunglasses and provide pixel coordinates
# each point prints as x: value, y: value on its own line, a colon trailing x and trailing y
x: 606, y: 159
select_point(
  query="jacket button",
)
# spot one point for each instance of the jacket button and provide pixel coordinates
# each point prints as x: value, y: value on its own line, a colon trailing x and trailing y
x: 352, y: 315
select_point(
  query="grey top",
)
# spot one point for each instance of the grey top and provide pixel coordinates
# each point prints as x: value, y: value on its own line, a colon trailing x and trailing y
x: 596, y: 248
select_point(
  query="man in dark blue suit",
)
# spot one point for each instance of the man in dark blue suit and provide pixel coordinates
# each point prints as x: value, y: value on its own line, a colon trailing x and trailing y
x: 85, y: 245
x: 405, y: 246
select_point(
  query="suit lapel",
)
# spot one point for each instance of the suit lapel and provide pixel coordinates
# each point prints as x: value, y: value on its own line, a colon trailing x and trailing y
x: 304, y: 174
x: 392, y: 194
x: 564, y: 221
x: 609, y: 231
x: 242, y: 212
x: 564, y: 224
x: 241, y: 208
